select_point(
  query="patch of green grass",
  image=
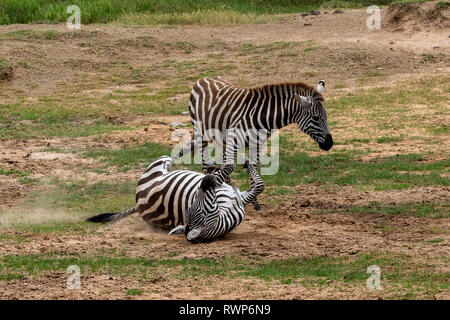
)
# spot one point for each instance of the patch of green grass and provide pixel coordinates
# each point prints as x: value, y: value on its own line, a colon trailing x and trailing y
x: 134, y: 292
x: 432, y: 209
x: 13, y: 238
x: 250, y: 48
x: 311, y: 49
x: 428, y: 57
x: 397, y: 172
x: 340, y: 85
x: 277, y: 191
x: 376, y: 74
x: 443, y: 4
x: 356, y: 140
x: 75, y: 225
x: 344, y: 4
x: 385, y: 227
x: 29, y: 34
x: 63, y: 206
x: 344, y: 168
x: 48, y: 117
x: 389, y: 139
x: 199, y: 17
x: 10, y: 276
x: 85, y: 197
x: 41, y: 129
x: 436, y: 240
x: 13, y: 172
x: 4, y: 63
x: 288, y: 53
x: 439, y: 129
x: 28, y: 180
x: 428, y: 91
x: 127, y: 158
x: 36, y: 265
x: 398, y: 2
x: 24, y: 11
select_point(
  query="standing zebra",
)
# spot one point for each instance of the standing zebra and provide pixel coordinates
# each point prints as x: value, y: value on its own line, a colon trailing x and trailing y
x: 234, y: 117
x: 203, y: 207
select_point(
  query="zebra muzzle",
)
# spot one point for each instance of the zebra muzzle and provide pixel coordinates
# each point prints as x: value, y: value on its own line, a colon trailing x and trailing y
x: 327, y: 144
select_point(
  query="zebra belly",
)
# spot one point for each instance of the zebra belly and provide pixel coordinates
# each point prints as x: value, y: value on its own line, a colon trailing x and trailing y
x: 163, y: 201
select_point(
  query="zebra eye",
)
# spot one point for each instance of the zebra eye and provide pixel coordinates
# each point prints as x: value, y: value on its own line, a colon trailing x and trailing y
x: 315, y: 118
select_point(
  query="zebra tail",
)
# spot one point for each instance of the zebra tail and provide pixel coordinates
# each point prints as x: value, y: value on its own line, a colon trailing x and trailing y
x: 110, y: 217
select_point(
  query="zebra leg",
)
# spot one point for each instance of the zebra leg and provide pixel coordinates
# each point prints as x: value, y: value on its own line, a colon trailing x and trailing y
x: 206, y: 163
x: 255, y: 202
x: 256, y: 185
x: 223, y: 174
x: 191, y: 147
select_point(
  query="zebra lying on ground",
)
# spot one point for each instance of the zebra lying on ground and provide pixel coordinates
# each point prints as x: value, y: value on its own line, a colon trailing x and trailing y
x: 216, y: 106
x: 202, y: 207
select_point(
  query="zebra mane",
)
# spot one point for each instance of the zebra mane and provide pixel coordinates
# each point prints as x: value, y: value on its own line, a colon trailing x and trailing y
x: 296, y: 87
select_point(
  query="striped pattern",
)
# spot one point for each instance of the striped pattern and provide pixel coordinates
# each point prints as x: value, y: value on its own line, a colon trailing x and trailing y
x: 166, y: 198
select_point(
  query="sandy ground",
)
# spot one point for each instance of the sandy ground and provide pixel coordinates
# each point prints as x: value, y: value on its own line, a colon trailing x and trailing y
x: 282, y: 231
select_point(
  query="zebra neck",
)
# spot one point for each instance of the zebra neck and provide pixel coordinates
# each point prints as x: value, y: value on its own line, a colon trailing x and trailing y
x: 274, y: 106
x: 227, y: 220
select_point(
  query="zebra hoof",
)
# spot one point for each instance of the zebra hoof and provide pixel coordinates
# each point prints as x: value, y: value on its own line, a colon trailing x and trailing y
x: 258, y: 208
x: 246, y: 163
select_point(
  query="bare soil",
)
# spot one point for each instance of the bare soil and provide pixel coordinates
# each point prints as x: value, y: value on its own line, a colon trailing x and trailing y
x: 418, y: 17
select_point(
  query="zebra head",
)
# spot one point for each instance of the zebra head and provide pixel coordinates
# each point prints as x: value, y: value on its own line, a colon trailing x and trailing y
x: 312, y: 118
x: 197, y: 214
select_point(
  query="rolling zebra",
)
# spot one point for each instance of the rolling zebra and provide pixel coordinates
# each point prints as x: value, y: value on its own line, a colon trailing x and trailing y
x: 203, y: 207
x: 234, y: 117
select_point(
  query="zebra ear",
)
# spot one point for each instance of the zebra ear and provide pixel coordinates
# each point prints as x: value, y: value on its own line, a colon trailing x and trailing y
x: 304, y: 101
x: 194, y: 233
x: 177, y: 230
x: 321, y: 86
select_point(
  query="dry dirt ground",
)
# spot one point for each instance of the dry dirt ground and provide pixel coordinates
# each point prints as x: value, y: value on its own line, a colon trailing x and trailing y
x: 346, y: 53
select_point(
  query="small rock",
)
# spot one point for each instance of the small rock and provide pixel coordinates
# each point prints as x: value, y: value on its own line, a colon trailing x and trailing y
x: 338, y: 11
x: 307, y: 24
x: 185, y: 113
x: 305, y: 14
x: 314, y: 13
x: 307, y: 203
x: 146, y: 129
